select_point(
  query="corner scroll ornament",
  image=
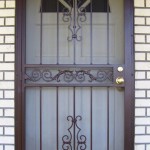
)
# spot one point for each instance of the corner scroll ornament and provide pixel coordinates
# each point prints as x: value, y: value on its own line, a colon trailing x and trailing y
x: 67, y: 139
x: 68, y: 76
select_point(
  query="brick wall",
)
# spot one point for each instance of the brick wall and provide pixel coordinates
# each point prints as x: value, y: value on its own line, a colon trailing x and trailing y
x: 7, y: 14
x: 142, y: 76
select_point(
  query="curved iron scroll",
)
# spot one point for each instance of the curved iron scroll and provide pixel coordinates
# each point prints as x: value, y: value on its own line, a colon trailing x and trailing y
x: 68, y: 76
x: 74, y: 12
x: 67, y: 139
x: 75, y: 16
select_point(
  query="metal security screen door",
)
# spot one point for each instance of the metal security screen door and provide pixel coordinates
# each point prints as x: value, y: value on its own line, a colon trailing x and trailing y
x: 74, y: 75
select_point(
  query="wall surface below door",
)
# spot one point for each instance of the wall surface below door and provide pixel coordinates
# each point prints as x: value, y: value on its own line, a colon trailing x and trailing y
x: 142, y: 74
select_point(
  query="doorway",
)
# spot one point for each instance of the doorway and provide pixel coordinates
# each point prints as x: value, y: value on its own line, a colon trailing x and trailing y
x: 76, y: 75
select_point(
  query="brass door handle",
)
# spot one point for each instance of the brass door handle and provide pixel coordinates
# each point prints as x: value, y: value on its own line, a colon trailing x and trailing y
x: 120, y: 80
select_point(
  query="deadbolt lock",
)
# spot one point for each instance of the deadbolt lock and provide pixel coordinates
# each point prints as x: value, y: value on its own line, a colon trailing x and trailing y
x: 120, y: 69
x: 120, y: 80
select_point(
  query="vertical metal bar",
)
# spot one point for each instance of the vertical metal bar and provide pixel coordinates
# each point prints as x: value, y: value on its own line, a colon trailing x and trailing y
x: 108, y: 52
x: 107, y: 118
x: 114, y: 136
x: 24, y: 115
x: 74, y: 115
x: 74, y: 59
x: 108, y: 56
x: 40, y: 118
x: 74, y: 29
x: 57, y: 107
x: 91, y: 117
x: 22, y: 69
x: 129, y: 104
x: 41, y: 31
x: 20, y: 141
x: 57, y: 31
x: 91, y: 30
x: 23, y: 58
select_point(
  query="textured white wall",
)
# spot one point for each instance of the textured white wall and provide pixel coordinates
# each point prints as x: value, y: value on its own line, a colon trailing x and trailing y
x: 7, y: 22
x: 142, y: 74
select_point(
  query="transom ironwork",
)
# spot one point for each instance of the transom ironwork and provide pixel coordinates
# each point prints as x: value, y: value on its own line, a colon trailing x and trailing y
x: 83, y: 5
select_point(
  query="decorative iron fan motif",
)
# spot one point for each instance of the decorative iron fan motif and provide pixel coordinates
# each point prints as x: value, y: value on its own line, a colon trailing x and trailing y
x: 89, y: 5
x: 74, y: 12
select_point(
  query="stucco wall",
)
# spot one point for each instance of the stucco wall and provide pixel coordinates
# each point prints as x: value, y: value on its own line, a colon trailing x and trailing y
x: 142, y: 74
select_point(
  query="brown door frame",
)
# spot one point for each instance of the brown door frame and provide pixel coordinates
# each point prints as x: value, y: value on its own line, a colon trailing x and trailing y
x: 129, y: 75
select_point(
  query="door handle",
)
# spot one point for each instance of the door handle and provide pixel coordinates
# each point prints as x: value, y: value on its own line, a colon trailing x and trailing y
x: 120, y: 80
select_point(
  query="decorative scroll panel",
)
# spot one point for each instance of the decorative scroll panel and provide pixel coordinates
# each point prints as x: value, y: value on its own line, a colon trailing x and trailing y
x: 61, y: 76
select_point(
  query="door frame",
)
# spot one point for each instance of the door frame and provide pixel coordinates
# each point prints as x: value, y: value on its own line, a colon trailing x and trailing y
x: 129, y: 104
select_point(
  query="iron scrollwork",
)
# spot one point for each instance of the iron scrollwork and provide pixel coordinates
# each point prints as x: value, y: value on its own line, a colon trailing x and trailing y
x: 68, y: 76
x: 74, y: 16
x: 67, y: 139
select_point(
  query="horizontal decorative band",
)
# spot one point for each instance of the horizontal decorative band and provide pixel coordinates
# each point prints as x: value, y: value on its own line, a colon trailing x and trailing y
x: 69, y: 75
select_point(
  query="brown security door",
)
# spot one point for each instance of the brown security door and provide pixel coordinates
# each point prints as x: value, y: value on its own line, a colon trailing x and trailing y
x: 74, y: 75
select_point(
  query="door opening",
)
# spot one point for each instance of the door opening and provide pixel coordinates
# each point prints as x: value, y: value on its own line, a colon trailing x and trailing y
x: 75, y: 85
